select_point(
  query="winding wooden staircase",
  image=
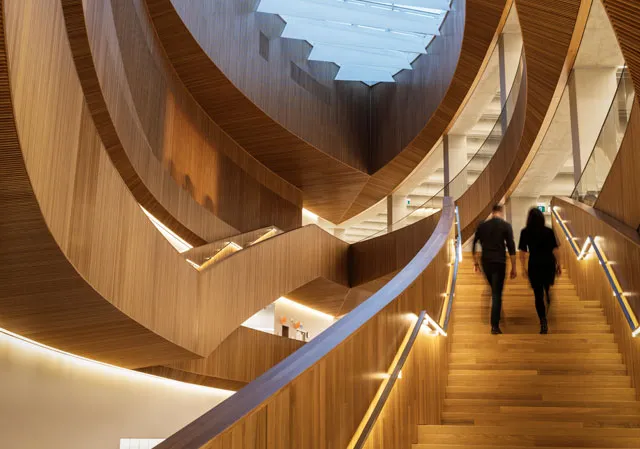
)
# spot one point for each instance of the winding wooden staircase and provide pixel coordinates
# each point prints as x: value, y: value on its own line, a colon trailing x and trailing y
x: 568, y: 389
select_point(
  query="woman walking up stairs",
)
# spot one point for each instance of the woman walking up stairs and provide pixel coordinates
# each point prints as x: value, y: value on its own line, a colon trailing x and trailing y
x: 568, y: 389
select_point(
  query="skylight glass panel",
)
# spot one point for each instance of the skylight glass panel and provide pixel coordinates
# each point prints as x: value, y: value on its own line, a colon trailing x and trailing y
x: 369, y: 40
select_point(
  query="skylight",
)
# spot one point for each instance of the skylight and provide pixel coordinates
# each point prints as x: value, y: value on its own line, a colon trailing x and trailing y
x: 370, y: 40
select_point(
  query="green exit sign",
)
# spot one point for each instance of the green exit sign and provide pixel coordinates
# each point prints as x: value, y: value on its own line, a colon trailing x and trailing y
x: 542, y: 208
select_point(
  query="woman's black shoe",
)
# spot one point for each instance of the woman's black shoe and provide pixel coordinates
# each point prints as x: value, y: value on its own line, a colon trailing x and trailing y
x: 544, y: 329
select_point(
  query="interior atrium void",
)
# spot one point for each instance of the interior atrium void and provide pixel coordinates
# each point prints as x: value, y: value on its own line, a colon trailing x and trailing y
x: 319, y: 224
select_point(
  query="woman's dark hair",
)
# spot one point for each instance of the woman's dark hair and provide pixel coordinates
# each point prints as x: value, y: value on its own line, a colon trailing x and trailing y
x: 535, y: 220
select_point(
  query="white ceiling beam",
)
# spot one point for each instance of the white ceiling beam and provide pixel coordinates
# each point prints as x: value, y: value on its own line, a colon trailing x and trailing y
x: 443, y: 5
x: 319, y: 32
x: 370, y: 75
x: 361, y: 56
x: 358, y: 14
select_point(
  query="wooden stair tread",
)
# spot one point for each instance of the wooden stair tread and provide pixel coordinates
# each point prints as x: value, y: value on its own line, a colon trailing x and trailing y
x: 567, y: 389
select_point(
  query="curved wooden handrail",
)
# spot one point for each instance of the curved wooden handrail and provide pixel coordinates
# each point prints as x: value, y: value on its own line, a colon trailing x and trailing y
x: 550, y: 44
x: 376, y: 325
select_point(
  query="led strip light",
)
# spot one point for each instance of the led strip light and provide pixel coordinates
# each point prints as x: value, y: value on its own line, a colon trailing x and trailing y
x: 581, y: 254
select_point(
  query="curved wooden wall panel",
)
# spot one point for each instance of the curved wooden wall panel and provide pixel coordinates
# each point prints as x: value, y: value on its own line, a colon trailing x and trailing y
x: 316, y: 398
x: 621, y: 244
x: 42, y: 296
x: 551, y: 34
x: 402, y: 143
x: 447, y: 74
x: 621, y: 191
x: 151, y: 186
x: 329, y: 184
x: 91, y: 222
x: 167, y: 136
x: 389, y: 253
x: 215, y: 47
x: 242, y: 356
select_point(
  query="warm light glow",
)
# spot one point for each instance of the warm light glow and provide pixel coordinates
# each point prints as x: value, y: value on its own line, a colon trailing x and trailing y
x: 105, y: 367
x: 174, y: 239
x: 386, y: 378
x: 435, y: 325
x: 304, y: 308
x: 310, y: 215
x: 267, y: 235
x: 585, y: 249
x: 636, y: 332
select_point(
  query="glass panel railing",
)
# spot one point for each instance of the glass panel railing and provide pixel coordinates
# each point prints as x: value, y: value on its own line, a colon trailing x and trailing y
x: 608, y: 143
x: 467, y: 175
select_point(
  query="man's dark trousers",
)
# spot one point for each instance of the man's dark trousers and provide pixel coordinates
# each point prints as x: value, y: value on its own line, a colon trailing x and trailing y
x: 495, y: 273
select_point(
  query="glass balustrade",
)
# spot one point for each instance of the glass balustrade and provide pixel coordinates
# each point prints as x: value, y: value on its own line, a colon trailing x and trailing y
x: 608, y: 143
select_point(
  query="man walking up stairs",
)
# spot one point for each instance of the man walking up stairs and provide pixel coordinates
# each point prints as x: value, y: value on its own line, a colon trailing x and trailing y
x: 569, y: 389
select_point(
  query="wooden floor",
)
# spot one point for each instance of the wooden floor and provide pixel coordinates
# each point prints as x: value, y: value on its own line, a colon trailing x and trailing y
x: 568, y: 389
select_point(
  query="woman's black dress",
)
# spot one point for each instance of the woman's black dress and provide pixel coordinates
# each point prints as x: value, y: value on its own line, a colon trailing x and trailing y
x: 542, y: 262
x: 540, y: 243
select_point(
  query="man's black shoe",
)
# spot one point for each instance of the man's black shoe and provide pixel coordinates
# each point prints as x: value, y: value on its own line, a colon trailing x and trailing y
x: 495, y: 331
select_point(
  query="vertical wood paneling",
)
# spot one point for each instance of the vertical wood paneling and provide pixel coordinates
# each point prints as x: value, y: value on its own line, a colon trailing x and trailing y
x: 416, y: 399
x: 94, y: 273
x: 330, y: 180
x: 140, y: 109
x: 621, y: 245
x: 242, y: 356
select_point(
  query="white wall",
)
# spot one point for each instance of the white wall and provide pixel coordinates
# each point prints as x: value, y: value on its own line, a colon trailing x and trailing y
x: 313, y: 321
x: 263, y: 321
x: 57, y: 401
